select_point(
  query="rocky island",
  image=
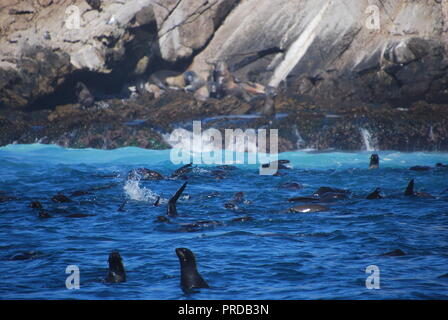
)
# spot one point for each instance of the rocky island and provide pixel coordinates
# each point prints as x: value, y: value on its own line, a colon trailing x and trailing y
x: 347, y: 75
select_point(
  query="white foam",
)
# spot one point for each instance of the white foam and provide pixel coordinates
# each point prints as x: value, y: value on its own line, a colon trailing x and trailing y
x: 135, y: 192
x: 369, y: 144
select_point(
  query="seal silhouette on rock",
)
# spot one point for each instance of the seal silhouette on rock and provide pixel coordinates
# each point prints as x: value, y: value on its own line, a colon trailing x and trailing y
x: 394, y: 253
x: 85, y: 98
x: 60, y: 198
x: 171, y: 209
x: 193, y: 81
x: 374, y: 161
x: 189, y: 276
x: 116, y: 271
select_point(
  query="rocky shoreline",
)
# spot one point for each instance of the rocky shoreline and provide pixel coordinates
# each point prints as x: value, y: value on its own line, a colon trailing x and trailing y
x: 341, y: 85
x: 145, y: 122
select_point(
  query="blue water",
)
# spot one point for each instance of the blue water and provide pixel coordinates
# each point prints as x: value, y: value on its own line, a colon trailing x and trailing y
x: 278, y: 255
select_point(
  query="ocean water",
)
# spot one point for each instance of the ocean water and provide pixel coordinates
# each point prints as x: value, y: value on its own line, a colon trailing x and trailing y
x: 277, y: 255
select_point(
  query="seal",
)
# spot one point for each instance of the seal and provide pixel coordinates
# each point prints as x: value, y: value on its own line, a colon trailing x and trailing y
x: 308, y: 208
x: 193, y: 81
x: 420, y: 168
x: 322, y: 190
x: 376, y: 194
x: 215, y: 90
x: 116, y: 271
x: 159, y: 78
x: 227, y: 83
x: 189, y: 276
x: 394, y: 253
x: 410, y: 192
x: 374, y: 161
x: 332, y: 196
x: 182, y: 171
x: 85, y: 98
x: 94, y: 4
x: 144, y: 174
x: 171, y: 209
x: 35, y: 205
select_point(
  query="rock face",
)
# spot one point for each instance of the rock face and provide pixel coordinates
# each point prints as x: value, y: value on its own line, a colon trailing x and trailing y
x: 394, y: 51
x: 351, y: 61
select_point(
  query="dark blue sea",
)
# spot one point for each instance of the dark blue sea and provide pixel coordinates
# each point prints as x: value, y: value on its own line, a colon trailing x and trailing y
x: 276, y: 255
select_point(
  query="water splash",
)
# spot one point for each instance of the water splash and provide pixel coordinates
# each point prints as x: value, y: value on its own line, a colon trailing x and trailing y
x: 135, y: 192
x: 300, y: 143
x: 369, y: 144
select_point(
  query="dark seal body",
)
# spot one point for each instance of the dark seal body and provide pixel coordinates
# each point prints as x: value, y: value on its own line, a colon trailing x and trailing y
x: 376, y: 194
x: 116, y: 272
x: 374, y: 161
x: 172, y: 210
x: 189, y: 276
x: 85, y: 98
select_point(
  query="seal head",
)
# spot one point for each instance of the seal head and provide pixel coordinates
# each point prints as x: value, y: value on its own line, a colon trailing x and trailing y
x: 374, y: 161
x: 189, y: 276
x: 116, y: 272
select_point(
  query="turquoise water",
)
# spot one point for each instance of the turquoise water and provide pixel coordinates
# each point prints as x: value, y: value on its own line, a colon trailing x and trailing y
x: 277, y: 255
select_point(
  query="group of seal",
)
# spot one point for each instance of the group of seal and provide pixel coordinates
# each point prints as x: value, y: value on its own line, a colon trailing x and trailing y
x: 218, y: 84
x: 190, y: 278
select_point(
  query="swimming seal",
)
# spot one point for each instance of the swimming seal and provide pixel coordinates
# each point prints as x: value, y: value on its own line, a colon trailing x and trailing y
x: 193, y: 81
x: 374, y: 161
x: 308, y: 208
x: 322, y: 190
x: 35, y: 205
x: 85, y: 98
x: 182, y: 171
x: 116, y: 271
x: 171, y: 209
x: 376, y: 194
x: 144, y: 174
x: 420, y: 168
x: 189, y: 276
x: 60, y: 198
x: 410, y: 192
x: 394, y: 253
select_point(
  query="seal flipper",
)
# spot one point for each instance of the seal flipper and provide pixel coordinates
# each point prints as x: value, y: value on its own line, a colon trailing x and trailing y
x: 375, y: 194
x: 116, y: 272
x: 171, y: 210
x: 157, y: 202
x: 410, y: 189
x: 190, y: 277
